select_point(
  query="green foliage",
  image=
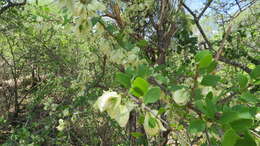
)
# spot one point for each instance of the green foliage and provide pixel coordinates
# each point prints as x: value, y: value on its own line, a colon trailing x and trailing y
x: 197, y: 126
x: 152, y: 95
x: 139, y: 87
x: 230, y: 138
x: 204, y: 58
x: 210, y: 80
x: 242, y: 80
x: 123, y: 79
x: 255, y: 74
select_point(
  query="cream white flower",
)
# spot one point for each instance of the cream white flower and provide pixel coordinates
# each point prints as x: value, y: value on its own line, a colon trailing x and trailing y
x: 108, y: 100
x: 66, y: 112
x: 152, y: 131
x: 257, y: 129
x: 181, y: 96
x: 62, y: 125
x: 206, y: 90
x: 73, y: 118
x: 123, y: 115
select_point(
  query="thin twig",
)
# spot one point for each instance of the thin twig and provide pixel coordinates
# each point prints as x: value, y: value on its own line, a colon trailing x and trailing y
x: 256, y: 134
x: 223, y: 43
x: 205, y: 8
x: 207, y: 136
x: 220, y: 58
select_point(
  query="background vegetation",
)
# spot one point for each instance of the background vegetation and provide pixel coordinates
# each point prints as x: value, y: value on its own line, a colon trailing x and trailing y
x: 129, y: 72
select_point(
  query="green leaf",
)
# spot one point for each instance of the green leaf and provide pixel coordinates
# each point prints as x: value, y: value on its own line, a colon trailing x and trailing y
x: 142, y: 43
x: 197, y: 94
x: 210, y: 106
x: 152, y: 122
x: 161, y: 110
x: 111, y: 28
x: 139, y: 87
x: 95, y: 20
x: 204, y: 58
x: 123, y: 79
x: 246, y: 140
x: 143, y: 71
x: 230, y: 116
x: 152, y: 95
x: 141, y: 119
x: 212, y: 66
x: 137, y: 134
x: 241, y: 125
x: 210, y: 80
x: 255, y: 74
x: 249, y: 97
x: 161, y: 79
x: 230, y: 138
x: 197, y: 126
x: 257, y: 82
x: 200, y: 105
x: 242, y: 80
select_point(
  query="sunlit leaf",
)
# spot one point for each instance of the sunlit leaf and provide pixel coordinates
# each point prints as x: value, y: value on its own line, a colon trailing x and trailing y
x: 204, y: 58
x: 152, y: 95
x: 242, y: 80
x: 197, y: 126
x: 210, y: 80
x: 123, y: 79
x: 139, y: 87
x: 230, y: 138
x: 255, y: 74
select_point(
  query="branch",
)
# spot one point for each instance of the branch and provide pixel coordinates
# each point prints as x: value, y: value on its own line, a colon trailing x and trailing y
x: 116, y: 11
x: 153, y: 81
x: 223, y: 42
x: 220, y: 58
x: 256, y: 134
x: 227, y: 99
x: 228, y: 31
x: 10, y: 4
x: 5, y: 60
x: 236, y: 64
x: 238, y: 5
x: 196, y: 20
x: 196, y: 139
x: 189, y: 10
x: 205, y: 8
x: 207, y: 136
x: 163, y: 11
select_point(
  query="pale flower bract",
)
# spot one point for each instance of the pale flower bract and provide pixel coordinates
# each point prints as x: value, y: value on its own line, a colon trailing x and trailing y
x: 107, y: 101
